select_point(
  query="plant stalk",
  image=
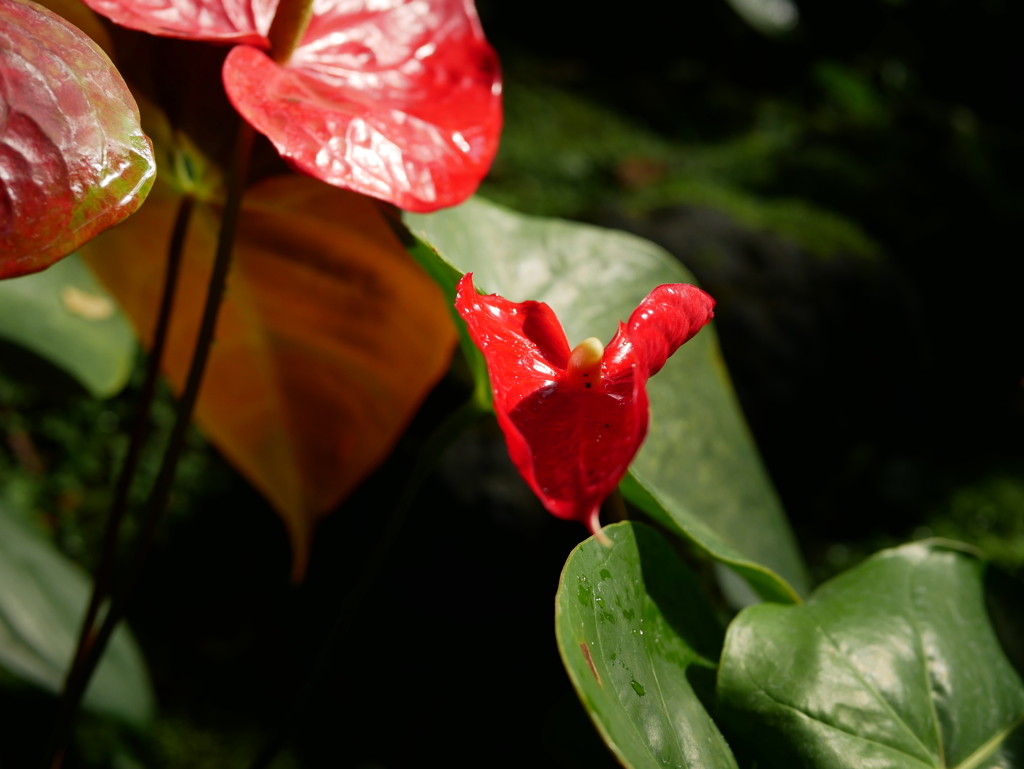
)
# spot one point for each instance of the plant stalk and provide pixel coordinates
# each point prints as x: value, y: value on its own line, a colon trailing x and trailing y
x: 288, y: 28
x: 426, y: 460
x: 105, y: 570
x: 614, y: 507
x: 160, y: 494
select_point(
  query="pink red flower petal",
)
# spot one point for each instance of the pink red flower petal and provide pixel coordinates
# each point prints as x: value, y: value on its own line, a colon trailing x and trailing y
x: 218, y: 21
x: 574, y: 444
x: 400, y: 100
x: 73, y: 158
x: 667, y: 318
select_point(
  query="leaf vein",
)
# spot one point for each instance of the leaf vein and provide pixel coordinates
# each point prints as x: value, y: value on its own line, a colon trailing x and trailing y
x: 600, y: 642
x: 833, y: 727
x: 991, y: 746
x: 877, y: 694
x: 924, y: 664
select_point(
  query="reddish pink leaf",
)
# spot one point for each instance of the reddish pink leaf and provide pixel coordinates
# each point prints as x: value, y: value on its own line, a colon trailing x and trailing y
x: 73, y: 159
x: 573, y: 423
x: 398, y: 99
x: 218, y: 21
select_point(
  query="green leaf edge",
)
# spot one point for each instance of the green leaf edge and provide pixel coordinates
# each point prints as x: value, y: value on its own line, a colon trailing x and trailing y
x: 769, y: 585
x: 139, y: 719
x: 447, y: 276
x: 580, y: 694
x: 73, y: 272
x: 937, y: 543
x: 605, y: 737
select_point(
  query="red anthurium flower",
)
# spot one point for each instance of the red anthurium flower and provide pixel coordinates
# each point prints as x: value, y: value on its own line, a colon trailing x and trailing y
x: 73, y: 158
x: 403, y: 104
x: 398, y: 99
x: 574, y: 418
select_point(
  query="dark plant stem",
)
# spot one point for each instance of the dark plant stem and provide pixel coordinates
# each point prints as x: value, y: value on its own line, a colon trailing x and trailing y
x: 426, y: 461
x: 614, y: 508
x: 288, y: 28
x: 157, y: 502
x: 105, y: 570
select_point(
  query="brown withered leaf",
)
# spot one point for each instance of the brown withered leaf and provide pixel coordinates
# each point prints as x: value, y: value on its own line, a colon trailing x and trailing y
x: 328, y: 341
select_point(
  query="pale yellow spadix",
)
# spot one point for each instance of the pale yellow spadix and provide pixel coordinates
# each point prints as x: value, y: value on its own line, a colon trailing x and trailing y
x: 584, y: 369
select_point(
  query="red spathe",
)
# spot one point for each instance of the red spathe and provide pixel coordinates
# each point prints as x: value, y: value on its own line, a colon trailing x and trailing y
x: 573, y: 444
x: 397, y: 99
x: 403, y: 104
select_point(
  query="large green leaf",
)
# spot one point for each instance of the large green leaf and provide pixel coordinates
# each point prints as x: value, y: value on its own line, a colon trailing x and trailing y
x: 892, y: 664
x: 447, y: 277
x: 63, y: 315
x: 699, y: 463
x: 765, y: 582
x: 630, y: 621
x: 43, y: 597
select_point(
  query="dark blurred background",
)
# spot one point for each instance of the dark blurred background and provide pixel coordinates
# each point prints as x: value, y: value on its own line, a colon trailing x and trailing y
x: 844, y: 182
x: 841, y: 176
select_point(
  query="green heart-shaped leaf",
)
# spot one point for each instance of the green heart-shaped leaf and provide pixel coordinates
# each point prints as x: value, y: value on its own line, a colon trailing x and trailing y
x: 699, y: 464
x: 630, y: 621
x: 42, y: 604
x: 447, y: 277
x: 62, y: 314
x: 892, y: 664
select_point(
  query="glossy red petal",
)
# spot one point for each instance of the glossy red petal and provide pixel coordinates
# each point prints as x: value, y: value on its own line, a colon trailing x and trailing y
x: 580, y: 443
x: 400, y: 100
x: 669, y: 316
x: 572, y: 446
x: 219, y: 21
x: 73, y: 158
x: 523, y: 343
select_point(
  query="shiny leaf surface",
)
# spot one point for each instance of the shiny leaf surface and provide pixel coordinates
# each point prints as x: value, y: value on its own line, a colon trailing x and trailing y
x: 401, y: 100
x: 631, y: 622
x: 699, y: 462
x: 73, y: 159
x: 771, y: 17
x: 65, y: 316
x: 765, y: 582
x: 42, y: 605
x: 329, y: 339
x: 893, y: 663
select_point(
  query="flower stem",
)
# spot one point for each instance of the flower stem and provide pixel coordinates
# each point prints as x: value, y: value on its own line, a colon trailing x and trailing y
x: 158, y: 498
x: 614, y: 507
x: 105, y: 570
x: 594, y: 524
x: 288, y: 28
x: 426, y: 460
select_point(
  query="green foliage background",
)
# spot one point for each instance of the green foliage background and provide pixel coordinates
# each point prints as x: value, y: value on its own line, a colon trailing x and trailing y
x: 847, y: 191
